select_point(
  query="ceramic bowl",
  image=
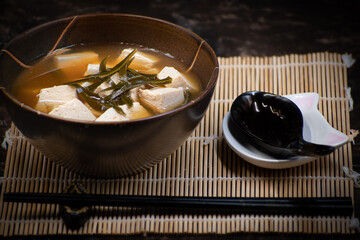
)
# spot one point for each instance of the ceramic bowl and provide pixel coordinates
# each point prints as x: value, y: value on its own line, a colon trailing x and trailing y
x: 315, y: 130
x: 109, y: 149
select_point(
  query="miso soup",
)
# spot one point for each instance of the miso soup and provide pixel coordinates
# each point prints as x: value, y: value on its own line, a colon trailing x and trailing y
x: 106, y: 83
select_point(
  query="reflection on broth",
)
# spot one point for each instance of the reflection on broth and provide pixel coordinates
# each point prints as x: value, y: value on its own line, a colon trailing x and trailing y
x: 106, y: 83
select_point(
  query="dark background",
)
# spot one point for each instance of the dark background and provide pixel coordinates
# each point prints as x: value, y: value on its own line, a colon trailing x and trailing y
x: 232, y: 28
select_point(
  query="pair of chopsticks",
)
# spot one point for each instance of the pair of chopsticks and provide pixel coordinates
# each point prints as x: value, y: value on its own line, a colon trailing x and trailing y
x: 339, y: 206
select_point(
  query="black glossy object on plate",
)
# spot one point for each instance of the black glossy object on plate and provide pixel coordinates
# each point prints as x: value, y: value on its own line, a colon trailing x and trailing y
x: 274, y: 124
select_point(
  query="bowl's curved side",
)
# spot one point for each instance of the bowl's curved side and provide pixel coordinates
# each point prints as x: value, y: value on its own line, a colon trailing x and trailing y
x: 111, y: 149
x: 107, y: 150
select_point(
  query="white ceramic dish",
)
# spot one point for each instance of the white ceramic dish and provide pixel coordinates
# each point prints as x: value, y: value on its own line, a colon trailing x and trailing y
x: 315, y: 129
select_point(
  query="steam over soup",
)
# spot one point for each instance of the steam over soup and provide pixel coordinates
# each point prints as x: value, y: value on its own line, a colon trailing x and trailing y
x: 112, y: 83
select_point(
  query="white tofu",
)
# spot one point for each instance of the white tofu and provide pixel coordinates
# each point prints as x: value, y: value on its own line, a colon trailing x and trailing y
x: 49, y: 98
x: 162, y: 99
x: 111, y: 115
x: 94, y: 68
x: 73, y: 109
x: 142, y: 62
x: 134, y: 112
x: 85, y: 84
x: 99, y: 89
x: 103, y: 86
x: 115, y: 78
x: 134, y: 94
x: 178, y: 80
x: 75, y: 59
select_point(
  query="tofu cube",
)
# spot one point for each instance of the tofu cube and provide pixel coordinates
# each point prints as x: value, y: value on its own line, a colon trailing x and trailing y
x: 134, y: 93
x: 142, y: 62
x: 162, y: 99
x: 178, y: 80
x: 75, y: 59
x: 49, y: 98
x: 73, y: 109
x: 134, y: 112
x: 111, y: 115
x: 94, y: 68
x: 103, y: 86
x: 115, y: 78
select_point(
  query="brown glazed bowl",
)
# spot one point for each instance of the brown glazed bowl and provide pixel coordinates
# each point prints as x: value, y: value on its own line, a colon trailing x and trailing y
x: 109, y: 150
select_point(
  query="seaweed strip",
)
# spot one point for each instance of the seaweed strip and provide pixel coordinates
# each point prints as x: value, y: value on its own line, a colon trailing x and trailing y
x: 120, y: 95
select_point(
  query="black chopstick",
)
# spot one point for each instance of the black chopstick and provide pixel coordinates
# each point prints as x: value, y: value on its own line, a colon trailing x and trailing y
x: 339, y: 206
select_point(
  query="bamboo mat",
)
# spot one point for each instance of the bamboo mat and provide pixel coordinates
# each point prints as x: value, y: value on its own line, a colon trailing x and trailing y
x: 204, y: 165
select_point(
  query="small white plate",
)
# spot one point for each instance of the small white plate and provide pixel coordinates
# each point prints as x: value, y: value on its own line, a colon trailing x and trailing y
x: 315, y: 129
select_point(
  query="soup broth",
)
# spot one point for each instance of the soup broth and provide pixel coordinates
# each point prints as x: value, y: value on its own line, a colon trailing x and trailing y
x: 70, y: 64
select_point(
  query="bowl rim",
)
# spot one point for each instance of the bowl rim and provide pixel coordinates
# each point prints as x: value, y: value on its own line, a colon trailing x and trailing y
x: 202, y: 44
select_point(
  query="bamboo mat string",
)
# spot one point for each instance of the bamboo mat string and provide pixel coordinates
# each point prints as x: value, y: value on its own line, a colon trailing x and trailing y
x: 204, y: 165
x: 353, y: 175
